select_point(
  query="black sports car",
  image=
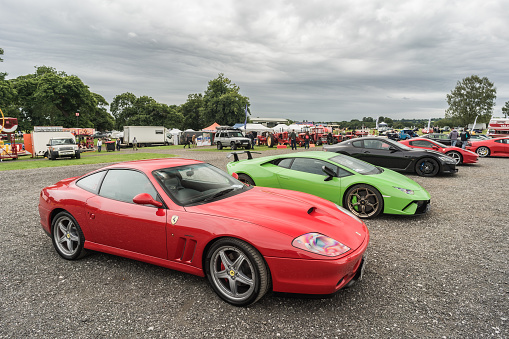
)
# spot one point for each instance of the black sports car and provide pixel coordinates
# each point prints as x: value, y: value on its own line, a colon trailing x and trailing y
x: 396, y: 156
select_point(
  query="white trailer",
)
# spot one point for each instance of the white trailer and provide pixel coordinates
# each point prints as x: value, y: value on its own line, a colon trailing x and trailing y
x: 38, y: 141
x: 146, y: 135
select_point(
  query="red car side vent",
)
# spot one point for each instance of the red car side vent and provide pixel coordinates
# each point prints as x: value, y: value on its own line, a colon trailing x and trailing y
x: 311, y: 210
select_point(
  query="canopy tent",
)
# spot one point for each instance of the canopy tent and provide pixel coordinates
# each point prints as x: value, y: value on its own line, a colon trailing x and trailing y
x: 295, y: 127
x: 259, y: 128
x: 211, y: 128
x: 175, y: 135
x: 280, y: 128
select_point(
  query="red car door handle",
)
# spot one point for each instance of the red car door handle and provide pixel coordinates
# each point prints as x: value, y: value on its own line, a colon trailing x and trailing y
x: 92, y: 216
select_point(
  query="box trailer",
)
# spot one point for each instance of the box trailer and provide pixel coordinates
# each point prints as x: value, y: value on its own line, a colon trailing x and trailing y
x: 146, y: 135
x: 36, y: 142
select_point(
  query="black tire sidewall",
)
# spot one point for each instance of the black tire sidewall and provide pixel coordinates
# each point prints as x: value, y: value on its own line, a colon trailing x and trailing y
x: 248, y: 251
x: 378, y: 195
x: 422, y: 174
x: 80, y: 252
x: 247, y: 179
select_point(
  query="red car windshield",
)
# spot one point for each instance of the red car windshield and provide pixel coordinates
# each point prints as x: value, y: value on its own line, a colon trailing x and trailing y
x: 197, y: 183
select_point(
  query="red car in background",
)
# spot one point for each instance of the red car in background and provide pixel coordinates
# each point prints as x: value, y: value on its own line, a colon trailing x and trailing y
x: 497, y: 147
x: 190, y: 216
x: 461, y: 156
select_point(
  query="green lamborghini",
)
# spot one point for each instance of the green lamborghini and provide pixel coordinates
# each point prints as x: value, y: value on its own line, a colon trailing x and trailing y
x: 364, y: 189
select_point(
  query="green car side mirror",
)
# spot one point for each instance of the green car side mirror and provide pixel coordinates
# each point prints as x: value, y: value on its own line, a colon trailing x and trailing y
x: 330, y: 173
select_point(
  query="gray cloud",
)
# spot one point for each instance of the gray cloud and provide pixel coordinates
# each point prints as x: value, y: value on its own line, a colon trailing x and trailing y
x: 314, y: 60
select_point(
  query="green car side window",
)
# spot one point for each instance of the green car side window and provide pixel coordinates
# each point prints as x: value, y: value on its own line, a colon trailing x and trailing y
x: 285, y: 163
x: 310, y: 165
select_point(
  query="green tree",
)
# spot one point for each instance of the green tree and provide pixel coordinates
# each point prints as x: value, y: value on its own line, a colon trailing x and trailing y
x: 192, y: 112
x: 2, y: 75
x: 129, y: 110
x: 505, y: 109
x: 223, y: 102
x: 473, y: 96
x: 49, y: 97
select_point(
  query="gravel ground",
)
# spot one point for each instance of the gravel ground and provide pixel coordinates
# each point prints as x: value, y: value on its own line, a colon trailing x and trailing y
x: 441, y: 275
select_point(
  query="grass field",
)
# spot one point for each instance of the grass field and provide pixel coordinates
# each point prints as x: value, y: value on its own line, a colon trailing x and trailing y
x: 86, y: 158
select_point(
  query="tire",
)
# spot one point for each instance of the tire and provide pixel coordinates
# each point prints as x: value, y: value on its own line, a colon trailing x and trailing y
x: 219, y: 145
x: 483, y: 151
x: 456, y: 156
x: 237, y: 272
x: 78, y: 155
x: 246, y: 179
x: 364, y: 201
x: 68, y: 239
x: 318, y: 142
x: 52, y: 156
x: 427, y: 167
x: 233, y: 145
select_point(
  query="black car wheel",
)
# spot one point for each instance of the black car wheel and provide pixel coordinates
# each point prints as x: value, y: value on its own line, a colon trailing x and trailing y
x: 219, y: 145
x: 237, y: 271
x: 483, y: 151
x: 364, y: 201
x: 68, y: 239
x: 246, y: 179
x: 233, y: 145
x: 427, y: 167
x: 456, y: 156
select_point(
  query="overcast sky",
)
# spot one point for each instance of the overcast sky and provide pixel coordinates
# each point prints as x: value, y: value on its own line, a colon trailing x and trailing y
x: 302, y: 60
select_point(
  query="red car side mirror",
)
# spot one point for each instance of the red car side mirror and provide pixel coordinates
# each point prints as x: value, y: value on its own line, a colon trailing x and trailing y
x: 146, y: 199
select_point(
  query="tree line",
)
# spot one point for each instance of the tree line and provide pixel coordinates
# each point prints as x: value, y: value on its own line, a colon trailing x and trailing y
x: 52, y: 98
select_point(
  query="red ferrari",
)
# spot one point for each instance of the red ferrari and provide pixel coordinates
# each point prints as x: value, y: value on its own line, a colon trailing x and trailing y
x: 497, y: 147
x: 461, y: 156
x: 190, y: 216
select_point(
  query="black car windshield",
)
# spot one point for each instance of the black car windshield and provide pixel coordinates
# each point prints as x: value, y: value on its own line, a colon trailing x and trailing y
x: 397, y: 144
x: 197, y: 183
x: 356, y: 165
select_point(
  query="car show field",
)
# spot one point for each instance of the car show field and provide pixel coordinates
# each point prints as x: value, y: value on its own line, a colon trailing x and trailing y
x: 442, y: 274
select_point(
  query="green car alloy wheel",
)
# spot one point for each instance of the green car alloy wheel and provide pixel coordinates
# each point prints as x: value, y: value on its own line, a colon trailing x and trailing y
x: 364, y: 189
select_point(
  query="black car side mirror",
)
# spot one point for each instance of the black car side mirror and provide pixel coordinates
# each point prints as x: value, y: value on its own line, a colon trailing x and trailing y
x: 330, y: 173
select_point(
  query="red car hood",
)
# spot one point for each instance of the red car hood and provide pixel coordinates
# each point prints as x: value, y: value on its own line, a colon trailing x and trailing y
x: 289, y: 212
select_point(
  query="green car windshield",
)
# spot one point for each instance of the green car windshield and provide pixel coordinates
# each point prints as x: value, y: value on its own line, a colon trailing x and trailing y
x: 356, y: 165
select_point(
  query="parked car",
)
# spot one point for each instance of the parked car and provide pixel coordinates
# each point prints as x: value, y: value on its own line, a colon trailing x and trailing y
x: 62, y: 147
x: 442, y: 138
x: 231, y: 137
x: 407, y: 133
x: 396, y: 156
x: 177, y: 213
x: 498, y: 147
x: 365, y: 190
x: 461, y: 156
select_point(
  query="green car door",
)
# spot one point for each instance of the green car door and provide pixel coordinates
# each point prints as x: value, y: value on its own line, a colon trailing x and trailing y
x: 306, y: 175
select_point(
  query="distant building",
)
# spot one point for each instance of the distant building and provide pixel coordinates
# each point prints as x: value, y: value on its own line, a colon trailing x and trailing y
x: 269, y: 122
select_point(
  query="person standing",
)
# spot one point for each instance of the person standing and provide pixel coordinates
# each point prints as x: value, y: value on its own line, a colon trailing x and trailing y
x: 118, y: 144
x: 307, y: 138
x: 250, y: 135
x: 135, y: 144
x: 293, y: 139
x: 193, y: 142
x: 99, y: 144
x: 454, y: 137
x: 464, y: 136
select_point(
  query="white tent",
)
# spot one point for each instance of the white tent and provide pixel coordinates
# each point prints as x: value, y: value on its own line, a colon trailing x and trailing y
x: 280, y: 128
x: 175, y: 135
x: 297, y: 128
x: 259, y: 128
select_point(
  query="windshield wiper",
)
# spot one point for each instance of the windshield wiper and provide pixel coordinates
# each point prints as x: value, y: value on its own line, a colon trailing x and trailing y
x: 220, y: 193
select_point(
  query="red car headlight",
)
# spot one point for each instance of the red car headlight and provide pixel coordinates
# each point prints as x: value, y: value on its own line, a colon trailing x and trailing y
x: 320, y: 244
